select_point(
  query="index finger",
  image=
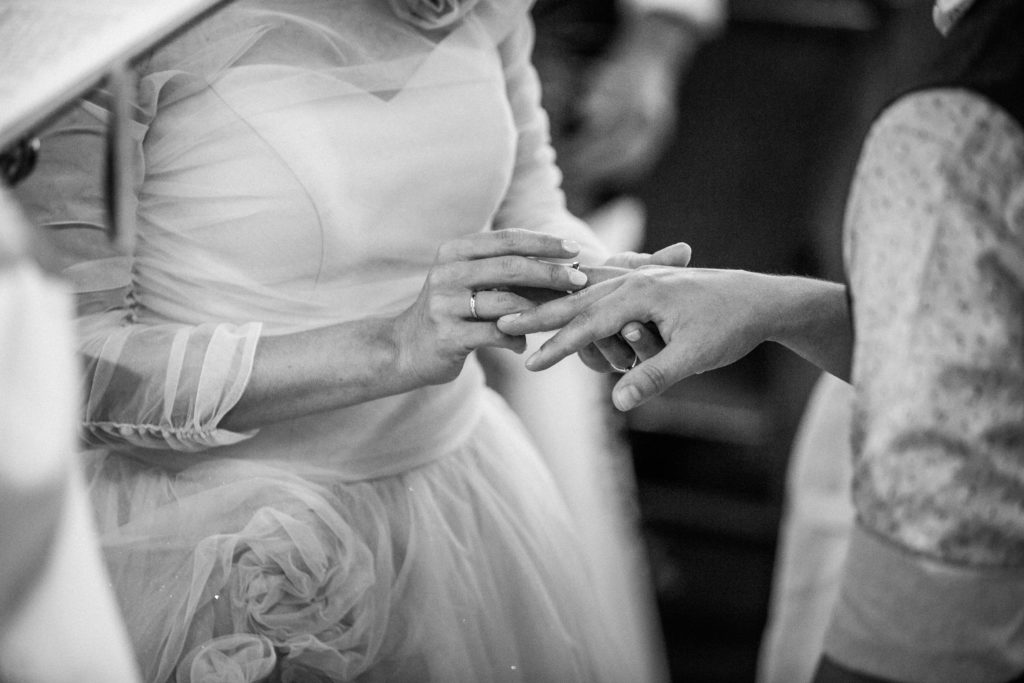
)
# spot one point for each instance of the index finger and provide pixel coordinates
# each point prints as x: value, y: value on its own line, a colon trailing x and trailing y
x: 509, y: 242
x: 603, y: 318
x: 556, y: 313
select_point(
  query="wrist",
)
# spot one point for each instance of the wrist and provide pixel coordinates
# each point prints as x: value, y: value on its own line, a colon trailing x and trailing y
x: 811, y: 318
x: 396, y: 361
x: 793, y: 305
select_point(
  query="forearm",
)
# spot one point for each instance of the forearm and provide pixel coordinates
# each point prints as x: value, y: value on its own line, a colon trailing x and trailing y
x: 811, y: 318
x: 319, y: 370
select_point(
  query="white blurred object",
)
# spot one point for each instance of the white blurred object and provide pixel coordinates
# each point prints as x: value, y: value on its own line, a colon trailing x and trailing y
x: 58, y: 618
x: 620, y: 224
x: 568, y: 412
x: 813, y: 538
x: 946, y: 13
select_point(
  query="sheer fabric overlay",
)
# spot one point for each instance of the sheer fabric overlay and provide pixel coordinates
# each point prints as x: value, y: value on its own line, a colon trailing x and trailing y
x: 299, y: 162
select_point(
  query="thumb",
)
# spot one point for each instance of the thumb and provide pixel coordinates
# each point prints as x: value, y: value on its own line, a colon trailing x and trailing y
x: 648, y: 379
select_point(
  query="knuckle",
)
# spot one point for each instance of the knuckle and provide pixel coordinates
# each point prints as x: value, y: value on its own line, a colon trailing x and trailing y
x: 509, y: 237
x: 445, y: 252
x: 434, y: 309
x: 510, y: 266
x: 644, y: 278
x: 436, y: 278
x: 507, y: 301
x: 583, y: 319
x: 557, y: 275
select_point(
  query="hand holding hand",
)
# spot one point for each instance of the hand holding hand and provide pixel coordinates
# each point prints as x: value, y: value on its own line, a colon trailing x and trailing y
x: 616, y: 353
x: 707, y: 319
x: 467, y: 289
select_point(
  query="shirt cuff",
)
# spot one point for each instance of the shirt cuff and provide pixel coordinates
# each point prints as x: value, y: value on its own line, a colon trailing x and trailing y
x: 912, y: 618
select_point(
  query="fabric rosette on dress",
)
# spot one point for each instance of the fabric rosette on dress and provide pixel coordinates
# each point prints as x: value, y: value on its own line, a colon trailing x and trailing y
x: 278, y: 585
x: 432, y: 14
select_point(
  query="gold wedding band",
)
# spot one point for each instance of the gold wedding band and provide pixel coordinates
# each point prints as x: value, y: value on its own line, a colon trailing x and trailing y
x: 472, y: 306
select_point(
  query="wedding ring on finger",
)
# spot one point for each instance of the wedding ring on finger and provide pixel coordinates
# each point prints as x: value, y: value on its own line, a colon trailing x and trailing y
x: 623, y: 371
x: 472, y: 306
x: 575, y: 265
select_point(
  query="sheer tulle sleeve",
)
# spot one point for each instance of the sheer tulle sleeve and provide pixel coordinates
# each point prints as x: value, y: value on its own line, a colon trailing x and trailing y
x: 151, y: 385
x: 534, y: 200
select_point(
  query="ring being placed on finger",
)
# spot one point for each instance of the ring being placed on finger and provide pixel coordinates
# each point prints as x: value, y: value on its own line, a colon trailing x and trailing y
x: 616, y: 368
x: 472, y: 306
x: 575, y: 265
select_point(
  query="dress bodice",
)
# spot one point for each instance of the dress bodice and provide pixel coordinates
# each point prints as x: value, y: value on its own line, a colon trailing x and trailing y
x: 300, y: 196
x: 297, y: 196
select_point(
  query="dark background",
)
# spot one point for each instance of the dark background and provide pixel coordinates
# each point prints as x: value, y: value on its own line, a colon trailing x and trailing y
x: 771, y: 119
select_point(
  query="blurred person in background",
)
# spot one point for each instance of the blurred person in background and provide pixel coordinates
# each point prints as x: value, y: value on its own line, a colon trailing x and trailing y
x: 59, y: 622
x: 933, y: 585
x: 611, y: 72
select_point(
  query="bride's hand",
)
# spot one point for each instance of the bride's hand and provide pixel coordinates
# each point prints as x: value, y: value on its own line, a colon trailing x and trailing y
x: 467, y: 290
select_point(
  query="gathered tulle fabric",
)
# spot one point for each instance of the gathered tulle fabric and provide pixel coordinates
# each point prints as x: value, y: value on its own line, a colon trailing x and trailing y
x: 462, y: 570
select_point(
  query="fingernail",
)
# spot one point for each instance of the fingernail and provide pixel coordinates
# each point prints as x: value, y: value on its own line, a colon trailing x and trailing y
x: 508, y: 318
x: 577, y: 277
x: 632, y: 335
x: 532, y: 361
x: 626, y: 398
x: 571, y: 246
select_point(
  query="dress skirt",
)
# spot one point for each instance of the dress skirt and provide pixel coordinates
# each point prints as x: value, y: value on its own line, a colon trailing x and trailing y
x: 466, y: 568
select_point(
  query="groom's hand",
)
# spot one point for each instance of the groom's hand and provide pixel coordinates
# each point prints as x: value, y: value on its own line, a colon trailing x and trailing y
x: 708, y: 319
x: 635, y: 342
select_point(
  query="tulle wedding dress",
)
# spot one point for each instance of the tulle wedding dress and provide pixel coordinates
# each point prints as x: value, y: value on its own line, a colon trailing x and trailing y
x: 300, y: 161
